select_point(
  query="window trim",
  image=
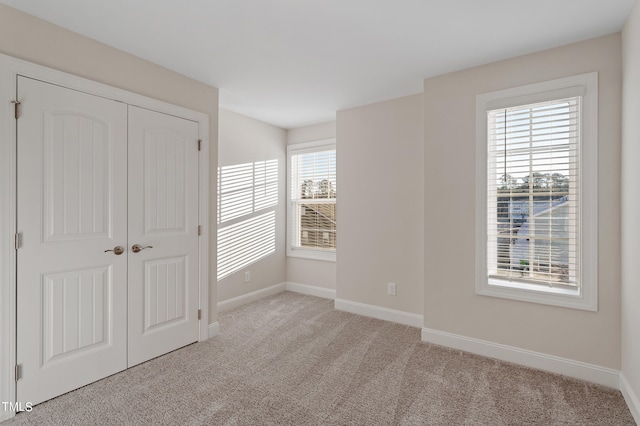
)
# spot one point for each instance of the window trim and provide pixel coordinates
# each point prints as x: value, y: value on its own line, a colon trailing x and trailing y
x: 586, y: 296
x: 297, y: 149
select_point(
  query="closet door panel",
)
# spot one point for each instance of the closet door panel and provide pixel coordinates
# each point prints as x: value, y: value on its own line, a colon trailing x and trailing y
x: 72, y: 197
x: 163, y: 222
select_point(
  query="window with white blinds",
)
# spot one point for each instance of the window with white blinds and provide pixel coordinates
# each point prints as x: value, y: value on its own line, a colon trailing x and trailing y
x: 247, y: 197
x: 533, y: 171
x: 312, y: 192
x: 537, y: 193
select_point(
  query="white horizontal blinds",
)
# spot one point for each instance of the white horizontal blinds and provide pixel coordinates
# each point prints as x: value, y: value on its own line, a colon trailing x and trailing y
x: 313, y: 197
x: 247, y: 196
x: 533, y: 172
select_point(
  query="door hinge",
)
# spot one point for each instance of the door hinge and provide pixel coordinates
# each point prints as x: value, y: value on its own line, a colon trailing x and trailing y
x: 15, y: 108
x: 199, y: 314
x: 16, y: 241
x: 199, y: 230
x: 199, y: 144
x: 18, y: 372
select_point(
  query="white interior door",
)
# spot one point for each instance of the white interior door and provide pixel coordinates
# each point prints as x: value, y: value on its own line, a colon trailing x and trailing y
x: 163, y: 221
x: 72, y: 197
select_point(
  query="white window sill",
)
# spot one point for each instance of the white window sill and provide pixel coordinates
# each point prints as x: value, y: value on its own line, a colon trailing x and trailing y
x: 526, y: 292
x: 312, y: 254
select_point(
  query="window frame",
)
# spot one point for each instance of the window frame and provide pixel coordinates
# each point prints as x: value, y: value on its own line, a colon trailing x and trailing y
x: 585, y: 296
x: 292, y: 249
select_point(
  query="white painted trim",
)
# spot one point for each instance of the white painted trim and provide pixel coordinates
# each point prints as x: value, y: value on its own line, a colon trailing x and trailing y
x: 203, y: 219
x: 585, y: 85
x: 7, y: 229
x: 576, y: 369
x: 213, y: 329
x: 238, y: 301
x: 243, y: 299
x: 630, y: 397
x: 10, y: 68
x: 296, y: 251
x: 311, y: 290
x: 378, y: 312
x: 75, y: 82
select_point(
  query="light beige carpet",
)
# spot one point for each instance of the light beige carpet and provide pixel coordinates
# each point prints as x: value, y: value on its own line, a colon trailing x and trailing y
x: 294, y: 360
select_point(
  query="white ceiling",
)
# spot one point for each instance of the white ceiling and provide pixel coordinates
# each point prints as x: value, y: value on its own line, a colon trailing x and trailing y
x: 295, y: 62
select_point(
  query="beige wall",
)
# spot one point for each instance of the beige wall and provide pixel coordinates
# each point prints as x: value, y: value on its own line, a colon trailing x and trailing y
x: 245, y: 140
x: 450, y: 302
x: 380, y: 204
x: 631, y: 203
x: 29, y: 38
x: 305, y: 271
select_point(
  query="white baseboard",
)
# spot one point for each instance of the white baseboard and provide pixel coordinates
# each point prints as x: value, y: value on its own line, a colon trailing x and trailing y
x: 311, y: 290
x: 214, y: 329
x: 236, y: 302
x: 378, y: 312
x: 540, y: 361
x: 632, y: 400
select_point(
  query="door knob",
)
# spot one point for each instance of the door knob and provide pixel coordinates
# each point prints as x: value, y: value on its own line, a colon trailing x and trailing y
x: 117, y: 250
x: 137, y: 248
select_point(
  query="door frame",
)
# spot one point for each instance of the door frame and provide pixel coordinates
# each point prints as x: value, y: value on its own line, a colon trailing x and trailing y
x: 10, y: 68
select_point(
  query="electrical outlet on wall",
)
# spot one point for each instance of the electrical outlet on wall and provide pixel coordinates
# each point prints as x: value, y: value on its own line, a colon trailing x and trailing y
x: 247, y: 276
x: 391, y: 289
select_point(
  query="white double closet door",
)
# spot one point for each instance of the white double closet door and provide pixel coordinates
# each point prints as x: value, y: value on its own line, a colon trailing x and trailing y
x: 94, y: 175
